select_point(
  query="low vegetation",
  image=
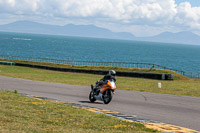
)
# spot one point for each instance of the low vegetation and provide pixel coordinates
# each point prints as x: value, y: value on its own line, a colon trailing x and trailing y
x: 21, y: 114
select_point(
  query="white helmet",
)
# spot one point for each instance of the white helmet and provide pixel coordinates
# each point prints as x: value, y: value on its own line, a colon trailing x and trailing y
x: 112, y: 72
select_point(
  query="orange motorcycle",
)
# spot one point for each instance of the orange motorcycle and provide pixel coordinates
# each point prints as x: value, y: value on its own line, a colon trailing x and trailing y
x: 104, y: 92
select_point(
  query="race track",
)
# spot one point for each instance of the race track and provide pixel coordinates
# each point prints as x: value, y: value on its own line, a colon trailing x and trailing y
x: 176, y: 110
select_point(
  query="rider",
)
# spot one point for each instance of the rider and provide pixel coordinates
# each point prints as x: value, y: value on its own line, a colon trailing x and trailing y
x: 110, y: 76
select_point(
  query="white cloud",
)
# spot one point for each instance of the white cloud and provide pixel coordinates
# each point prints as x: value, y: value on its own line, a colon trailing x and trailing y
x: 19, y: 6
x: 151, y: 13
x: 188, y: 16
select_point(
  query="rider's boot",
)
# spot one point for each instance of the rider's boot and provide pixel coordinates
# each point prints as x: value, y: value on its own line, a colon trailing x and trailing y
x: 97, y: 91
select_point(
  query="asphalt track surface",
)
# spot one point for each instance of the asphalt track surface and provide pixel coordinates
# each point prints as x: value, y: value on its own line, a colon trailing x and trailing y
x: 181, y: 111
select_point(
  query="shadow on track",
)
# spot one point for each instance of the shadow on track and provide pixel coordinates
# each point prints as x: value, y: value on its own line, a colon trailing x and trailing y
x: 90, y: 102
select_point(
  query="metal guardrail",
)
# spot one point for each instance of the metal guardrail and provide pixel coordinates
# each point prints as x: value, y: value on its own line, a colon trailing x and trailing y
x: 94, y: 63
x: 158, y: 76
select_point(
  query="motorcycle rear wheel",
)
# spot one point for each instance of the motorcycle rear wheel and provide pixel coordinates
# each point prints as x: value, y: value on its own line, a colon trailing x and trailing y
x: 91, y: 97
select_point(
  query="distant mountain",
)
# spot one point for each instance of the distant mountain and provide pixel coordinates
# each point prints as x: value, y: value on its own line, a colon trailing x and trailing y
x: 185, y: 37
x: 97, y: 32
x: 68, y: 30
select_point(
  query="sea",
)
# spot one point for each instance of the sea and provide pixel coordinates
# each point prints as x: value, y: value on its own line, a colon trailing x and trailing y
x: 175, y: 56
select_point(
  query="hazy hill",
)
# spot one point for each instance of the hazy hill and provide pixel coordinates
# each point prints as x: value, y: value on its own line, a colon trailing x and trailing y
x: 69, y: 30
x: 185, y: 37
x: 97, y: 32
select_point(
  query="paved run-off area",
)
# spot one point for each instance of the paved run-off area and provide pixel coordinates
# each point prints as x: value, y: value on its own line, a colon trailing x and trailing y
x: 154, y: 108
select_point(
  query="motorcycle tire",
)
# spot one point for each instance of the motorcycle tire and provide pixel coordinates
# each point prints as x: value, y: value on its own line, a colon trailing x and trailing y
x: 91, y: 97
x: 107, y: 96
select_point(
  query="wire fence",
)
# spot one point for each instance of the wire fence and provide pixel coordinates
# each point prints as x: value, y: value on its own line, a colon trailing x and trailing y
x: 192, y: 74
x: 95, y: 63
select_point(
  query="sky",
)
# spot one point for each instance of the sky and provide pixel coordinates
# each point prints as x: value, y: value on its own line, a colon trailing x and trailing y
x: 139, y: 17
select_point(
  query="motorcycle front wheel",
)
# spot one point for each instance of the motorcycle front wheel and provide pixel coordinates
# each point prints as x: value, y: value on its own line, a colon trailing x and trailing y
x: 107, y: 96
x: 91, y: 97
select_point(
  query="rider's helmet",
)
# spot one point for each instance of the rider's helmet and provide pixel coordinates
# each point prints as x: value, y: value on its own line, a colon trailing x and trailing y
x: 112, y: 72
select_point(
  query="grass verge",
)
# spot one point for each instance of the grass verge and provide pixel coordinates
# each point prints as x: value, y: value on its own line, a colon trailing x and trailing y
x: 21, y: 114
x: 176, y: 75
x: 187, y: 87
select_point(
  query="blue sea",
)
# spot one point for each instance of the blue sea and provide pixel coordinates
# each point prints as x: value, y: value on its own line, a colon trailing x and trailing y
x: 175, y: 56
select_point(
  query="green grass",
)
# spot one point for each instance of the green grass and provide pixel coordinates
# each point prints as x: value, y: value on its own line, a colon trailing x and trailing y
x: 21, y: 114
x: 180, y: 86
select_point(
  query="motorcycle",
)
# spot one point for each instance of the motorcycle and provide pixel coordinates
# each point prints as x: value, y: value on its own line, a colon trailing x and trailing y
x: 105, y: 93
